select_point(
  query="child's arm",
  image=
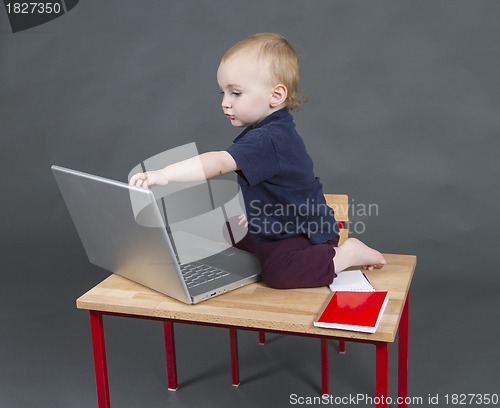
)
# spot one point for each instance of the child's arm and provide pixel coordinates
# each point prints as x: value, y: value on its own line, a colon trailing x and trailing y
x: 202, y: 167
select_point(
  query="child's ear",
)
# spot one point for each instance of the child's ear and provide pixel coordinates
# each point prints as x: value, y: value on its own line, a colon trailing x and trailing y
x: 278, y: 95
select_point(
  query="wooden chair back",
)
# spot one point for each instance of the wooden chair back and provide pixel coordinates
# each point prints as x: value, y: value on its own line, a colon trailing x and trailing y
x: 340, y: 204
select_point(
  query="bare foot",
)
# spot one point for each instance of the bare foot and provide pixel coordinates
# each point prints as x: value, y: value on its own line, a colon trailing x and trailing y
x: 354, y: 253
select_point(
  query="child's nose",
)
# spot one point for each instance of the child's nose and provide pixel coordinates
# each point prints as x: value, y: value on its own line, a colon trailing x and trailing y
x: 225, y: 102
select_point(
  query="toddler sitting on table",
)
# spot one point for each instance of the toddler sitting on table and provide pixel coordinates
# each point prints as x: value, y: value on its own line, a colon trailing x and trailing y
x: 291, y: 229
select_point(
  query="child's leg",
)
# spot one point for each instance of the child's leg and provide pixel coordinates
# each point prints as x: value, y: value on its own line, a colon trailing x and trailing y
x: 247, y: 244
x: 296, y: 263
x: 354, y: 253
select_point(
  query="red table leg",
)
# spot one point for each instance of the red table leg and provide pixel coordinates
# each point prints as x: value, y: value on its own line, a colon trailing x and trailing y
x: 324, y: 367
x: 342, y: 346
x: 262, y: 338
x: 233, y: 339
x: 403, y: 354
x: 168, y: 328
x: 100, y: 365
x: 382, y: 384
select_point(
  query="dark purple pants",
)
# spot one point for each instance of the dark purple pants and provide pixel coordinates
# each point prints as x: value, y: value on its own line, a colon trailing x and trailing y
x: 293, y: 262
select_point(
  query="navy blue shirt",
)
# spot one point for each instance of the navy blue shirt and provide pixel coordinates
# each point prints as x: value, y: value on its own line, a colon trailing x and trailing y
x: 283, y: 198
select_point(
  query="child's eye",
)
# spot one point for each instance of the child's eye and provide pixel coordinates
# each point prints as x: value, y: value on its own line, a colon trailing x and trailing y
x: 234, y: 93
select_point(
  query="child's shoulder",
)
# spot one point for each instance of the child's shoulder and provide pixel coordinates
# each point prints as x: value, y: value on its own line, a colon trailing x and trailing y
x: 279, y: 131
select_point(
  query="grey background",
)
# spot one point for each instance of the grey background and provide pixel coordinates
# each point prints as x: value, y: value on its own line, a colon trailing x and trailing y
x: 402, y: 112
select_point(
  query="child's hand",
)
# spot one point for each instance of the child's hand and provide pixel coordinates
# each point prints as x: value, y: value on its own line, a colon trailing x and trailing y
x: 149, y: 179
x: 243, y: 220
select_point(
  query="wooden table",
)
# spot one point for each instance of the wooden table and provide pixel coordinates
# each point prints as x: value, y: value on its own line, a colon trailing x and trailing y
x: 257, y: 307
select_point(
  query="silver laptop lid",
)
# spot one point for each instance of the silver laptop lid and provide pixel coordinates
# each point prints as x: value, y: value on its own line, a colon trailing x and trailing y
x: 118, y: 238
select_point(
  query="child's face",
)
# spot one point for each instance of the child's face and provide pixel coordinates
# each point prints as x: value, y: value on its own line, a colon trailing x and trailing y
x: 246, y: 89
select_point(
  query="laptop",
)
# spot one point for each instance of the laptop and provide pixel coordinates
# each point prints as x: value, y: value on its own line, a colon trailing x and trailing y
x: 125, y: 230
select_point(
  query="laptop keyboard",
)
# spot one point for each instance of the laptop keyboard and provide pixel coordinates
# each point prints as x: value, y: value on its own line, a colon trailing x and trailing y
x: 196, y: 273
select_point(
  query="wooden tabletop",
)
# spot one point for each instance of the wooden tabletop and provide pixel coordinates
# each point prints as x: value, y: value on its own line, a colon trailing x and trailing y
x: 256, y: 305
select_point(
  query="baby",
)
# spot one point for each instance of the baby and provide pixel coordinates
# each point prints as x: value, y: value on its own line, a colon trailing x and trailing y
x: 291, y: 230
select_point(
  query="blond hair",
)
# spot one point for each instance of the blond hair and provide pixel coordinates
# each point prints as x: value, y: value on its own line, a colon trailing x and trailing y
x: 283, y: 59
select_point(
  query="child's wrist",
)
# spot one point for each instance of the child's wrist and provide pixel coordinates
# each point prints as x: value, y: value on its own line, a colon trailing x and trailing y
x: 166, y: 174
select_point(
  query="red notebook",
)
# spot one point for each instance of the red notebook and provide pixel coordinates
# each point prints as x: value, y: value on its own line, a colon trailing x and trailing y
x: 357, y: 311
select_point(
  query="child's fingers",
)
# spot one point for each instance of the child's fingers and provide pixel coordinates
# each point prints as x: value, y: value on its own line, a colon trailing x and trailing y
x: 134, y: 181
x: 138, y: 180
x: 242, y: 220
